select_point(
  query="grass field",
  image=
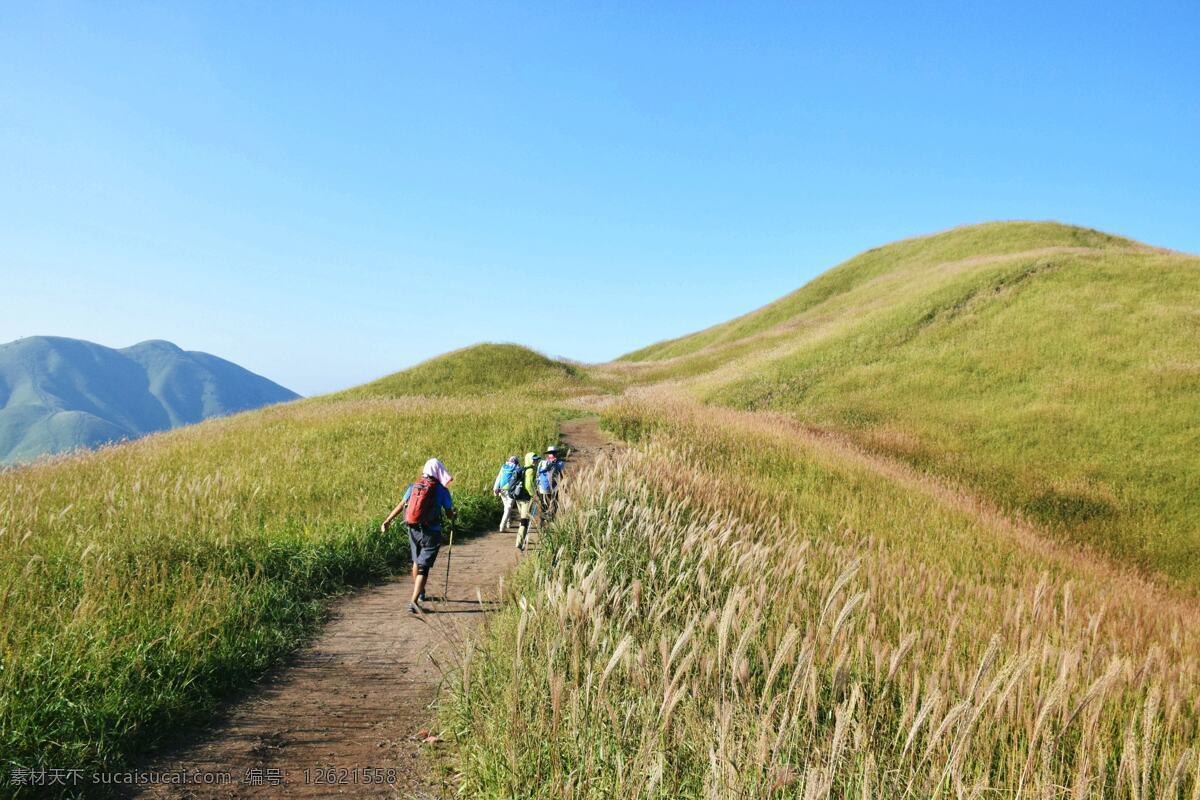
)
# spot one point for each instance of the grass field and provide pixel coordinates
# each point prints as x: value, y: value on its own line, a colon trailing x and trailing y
x: 1053, y: 370
x: 728, y: 612
x: 924, y: 528
x: 140, y: 583
x: 900, y: 534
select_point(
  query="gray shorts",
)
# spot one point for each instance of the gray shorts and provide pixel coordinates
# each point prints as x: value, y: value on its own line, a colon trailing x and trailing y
x: 423, y: 544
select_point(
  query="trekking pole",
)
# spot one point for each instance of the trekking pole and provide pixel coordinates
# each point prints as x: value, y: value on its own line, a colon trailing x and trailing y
x: 449, y: 553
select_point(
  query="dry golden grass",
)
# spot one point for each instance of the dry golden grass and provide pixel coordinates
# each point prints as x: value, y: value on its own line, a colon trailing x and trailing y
x: 730, y: 611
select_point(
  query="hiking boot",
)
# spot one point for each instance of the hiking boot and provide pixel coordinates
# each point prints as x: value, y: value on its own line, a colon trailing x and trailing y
x: 421, y: 597
x: 413, y: 608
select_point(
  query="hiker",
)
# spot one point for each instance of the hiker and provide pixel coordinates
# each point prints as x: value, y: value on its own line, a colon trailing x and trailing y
x: 506, y: 481
x: 548, y: 475
x: 523, y: 493
x: 424, y: 504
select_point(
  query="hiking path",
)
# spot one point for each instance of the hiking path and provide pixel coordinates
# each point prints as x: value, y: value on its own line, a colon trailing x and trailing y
x: 359, y: 699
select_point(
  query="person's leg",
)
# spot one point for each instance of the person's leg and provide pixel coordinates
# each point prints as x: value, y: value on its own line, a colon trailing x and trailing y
x: 523, y: 508
x: 428, y: 544
x: 414, y: 547
x: 508, y: 505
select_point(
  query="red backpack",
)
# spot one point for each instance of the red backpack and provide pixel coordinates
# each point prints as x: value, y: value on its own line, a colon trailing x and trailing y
x: 422, y: 505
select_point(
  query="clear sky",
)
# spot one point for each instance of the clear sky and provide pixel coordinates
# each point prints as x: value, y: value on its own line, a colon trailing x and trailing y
x: 329, y: 192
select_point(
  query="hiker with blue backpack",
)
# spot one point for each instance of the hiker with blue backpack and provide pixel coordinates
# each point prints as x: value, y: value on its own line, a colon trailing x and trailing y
x: 506, y: 481
x: 548, y: 476
x: 426, y: 502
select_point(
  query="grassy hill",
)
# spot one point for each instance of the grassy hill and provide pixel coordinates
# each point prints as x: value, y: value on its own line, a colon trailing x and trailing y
x: 752, y: 603
x: 906, y: 258
x: 140, y: 583
x: 59, y: 394
x: 482, y: 369
x: 1054, y: 370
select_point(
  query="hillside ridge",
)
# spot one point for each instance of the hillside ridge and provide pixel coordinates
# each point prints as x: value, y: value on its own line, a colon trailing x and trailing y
x: 481, y: 369
x: 954, y: 245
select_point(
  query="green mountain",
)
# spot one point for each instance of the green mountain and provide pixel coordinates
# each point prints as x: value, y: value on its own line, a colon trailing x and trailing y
x: 59, y: 394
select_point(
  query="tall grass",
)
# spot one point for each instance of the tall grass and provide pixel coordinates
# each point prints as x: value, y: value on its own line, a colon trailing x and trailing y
x: 711, y: 616
x: 140, y: 583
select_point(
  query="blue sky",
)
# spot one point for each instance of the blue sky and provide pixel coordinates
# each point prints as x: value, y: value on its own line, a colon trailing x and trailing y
x: 328, y: 192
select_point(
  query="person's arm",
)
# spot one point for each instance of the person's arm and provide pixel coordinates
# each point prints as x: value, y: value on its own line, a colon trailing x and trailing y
x: 447, y: 503
x: 499, y: 478
x: 395, y: 511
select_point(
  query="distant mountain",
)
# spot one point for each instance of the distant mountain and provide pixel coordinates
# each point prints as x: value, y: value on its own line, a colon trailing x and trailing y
x: 59, y: 394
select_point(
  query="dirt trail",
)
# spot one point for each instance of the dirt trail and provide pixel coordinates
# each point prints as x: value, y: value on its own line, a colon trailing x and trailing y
x: 360, y: 694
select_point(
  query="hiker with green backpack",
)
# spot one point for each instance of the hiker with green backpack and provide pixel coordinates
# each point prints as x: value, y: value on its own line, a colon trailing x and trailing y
x: 426, y: 501
x: 523, y: 489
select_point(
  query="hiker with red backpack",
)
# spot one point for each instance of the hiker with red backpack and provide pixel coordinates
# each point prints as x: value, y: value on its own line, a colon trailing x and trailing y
x: 424, y: 504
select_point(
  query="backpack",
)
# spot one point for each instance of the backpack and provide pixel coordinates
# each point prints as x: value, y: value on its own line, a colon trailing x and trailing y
x: 548, y: 475
x: 422, y: 505
x: 516, y: 485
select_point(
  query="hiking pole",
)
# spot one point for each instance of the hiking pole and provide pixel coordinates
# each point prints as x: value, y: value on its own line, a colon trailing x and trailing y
x: 449, y: 553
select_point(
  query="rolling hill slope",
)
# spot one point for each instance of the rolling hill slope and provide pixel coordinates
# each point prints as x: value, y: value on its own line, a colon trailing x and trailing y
x: 59, y: 394
x: 482, y: 369
x: 1053, y: 369
x: 880, y: 266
